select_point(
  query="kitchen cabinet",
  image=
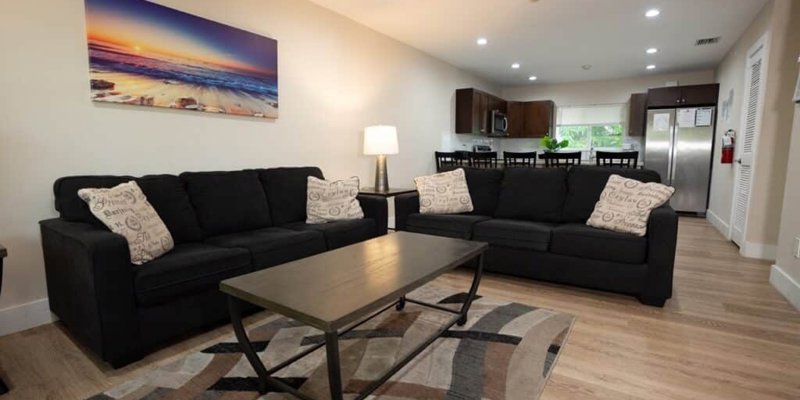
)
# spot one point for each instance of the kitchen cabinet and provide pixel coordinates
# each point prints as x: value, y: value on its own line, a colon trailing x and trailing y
x: 516, y: 119
x: 539, y: 118
x: 473, y: 110
x: 637, y: 114
x: 683, y: 96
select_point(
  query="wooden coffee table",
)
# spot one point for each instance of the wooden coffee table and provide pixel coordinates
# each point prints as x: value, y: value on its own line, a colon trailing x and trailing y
x: 339, y: 290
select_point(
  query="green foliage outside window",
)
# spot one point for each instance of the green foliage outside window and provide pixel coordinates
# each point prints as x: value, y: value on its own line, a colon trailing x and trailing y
x: 584, y: 137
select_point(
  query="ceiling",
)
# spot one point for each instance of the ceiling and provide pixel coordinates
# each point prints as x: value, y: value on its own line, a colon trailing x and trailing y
x: 553, y: 39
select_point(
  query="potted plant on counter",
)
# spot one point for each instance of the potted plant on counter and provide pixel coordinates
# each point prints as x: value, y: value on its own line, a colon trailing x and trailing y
x: 552, y: 145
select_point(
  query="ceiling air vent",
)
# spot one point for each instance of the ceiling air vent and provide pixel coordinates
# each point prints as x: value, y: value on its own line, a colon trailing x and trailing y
x: 703, y: 42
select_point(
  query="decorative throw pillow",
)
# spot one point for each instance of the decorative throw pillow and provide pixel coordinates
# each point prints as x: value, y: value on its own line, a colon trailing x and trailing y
x: 625, y: 205
x: 444, y: 193
x: 332, y: 201
x: 124, y: 209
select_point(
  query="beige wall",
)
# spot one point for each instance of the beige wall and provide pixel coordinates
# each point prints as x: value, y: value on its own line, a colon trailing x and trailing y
x: 776, y: 124
x: 730, y: 75
x: 790, y: 220
x: 780, y: 20
x: 336, y: 77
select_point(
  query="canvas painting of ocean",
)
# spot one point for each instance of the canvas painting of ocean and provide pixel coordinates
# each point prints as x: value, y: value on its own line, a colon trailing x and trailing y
x: 145, y: 54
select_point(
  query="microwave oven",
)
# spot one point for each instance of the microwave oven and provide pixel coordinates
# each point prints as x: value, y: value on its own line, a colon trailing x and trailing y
x: 498, y: 124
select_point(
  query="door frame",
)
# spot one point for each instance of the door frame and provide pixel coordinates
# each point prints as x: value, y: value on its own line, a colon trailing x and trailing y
x: 763, y: 44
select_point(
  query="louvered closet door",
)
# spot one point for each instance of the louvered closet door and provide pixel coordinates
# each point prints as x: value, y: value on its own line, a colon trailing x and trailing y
x: 747, y: 139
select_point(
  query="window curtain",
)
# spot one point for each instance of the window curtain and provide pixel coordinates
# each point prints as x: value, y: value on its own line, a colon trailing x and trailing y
x: 591, y: 115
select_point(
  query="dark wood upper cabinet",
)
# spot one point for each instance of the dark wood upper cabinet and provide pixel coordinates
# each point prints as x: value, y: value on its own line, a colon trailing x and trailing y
x: 664, y: 97
x: 516, y: 119
x: 637, y: 114
x: 539, y: 118
x: 530, y: 119
x: 700, y: 95
x: 683, y: 96
x: 473, y: 109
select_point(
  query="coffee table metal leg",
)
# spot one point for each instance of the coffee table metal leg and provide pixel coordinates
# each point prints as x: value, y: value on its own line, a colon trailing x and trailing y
x: 401, y: 304
x: 264, y: 379
x: 334, y: 365
x: 473, y: 290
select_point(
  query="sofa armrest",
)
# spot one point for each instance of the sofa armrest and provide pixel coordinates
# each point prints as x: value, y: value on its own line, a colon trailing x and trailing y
x: 405, y: 205
x: 377, y: 208
x: 662, y: 238
x: 90, y: 287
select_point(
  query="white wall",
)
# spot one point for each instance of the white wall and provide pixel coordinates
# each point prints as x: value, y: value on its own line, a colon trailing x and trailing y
x: 336, y: 77
x: 785, y: 274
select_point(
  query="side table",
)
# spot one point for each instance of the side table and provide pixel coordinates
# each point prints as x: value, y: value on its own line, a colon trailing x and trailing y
x: 3, y: 254
x: 391, y: 192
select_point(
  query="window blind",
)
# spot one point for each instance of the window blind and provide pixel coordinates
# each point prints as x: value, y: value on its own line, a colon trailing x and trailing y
x: 591, y: 115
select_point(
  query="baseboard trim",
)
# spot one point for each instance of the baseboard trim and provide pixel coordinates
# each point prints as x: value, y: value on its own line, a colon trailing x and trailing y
x: 785, y: 284
x: 760, y: 251
x: 723, y: 227
x: 25, y: 316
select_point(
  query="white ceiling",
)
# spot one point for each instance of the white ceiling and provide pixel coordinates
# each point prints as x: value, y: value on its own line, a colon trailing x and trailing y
x: 552, y: 39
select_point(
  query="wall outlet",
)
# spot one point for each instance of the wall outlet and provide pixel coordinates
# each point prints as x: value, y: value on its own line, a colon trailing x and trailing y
x: 797, y: 247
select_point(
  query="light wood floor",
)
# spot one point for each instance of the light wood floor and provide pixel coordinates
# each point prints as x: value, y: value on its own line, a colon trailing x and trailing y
x: 725, y: 334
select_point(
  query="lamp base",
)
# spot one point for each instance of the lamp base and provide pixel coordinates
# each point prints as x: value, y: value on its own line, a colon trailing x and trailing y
x: 381, y: 176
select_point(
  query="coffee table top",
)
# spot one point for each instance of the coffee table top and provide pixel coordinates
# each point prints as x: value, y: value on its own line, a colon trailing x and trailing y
x: 332, y: 289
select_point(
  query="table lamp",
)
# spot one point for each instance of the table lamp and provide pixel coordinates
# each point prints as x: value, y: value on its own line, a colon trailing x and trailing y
x: 381, y: 140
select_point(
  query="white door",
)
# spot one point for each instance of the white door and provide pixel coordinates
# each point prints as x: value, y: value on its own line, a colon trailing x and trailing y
x: 752, y: 105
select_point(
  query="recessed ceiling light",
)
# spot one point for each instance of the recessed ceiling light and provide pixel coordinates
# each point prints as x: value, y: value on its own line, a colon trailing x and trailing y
x: 652, y: 13
x: 652, y: 50
x: 515, y: 65
x: 651, y: 66
x: 482, y: 41
x: 586, y: 67
x: 531, y: 78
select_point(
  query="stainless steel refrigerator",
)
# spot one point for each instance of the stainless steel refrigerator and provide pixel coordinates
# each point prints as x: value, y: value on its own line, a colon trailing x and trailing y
x: 679, y: 146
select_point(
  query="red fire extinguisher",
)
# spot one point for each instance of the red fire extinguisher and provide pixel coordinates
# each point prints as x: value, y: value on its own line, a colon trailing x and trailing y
x: 728, y: 145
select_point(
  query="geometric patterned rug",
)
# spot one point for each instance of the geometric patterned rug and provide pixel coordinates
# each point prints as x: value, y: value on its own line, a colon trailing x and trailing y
x: 505, y: 352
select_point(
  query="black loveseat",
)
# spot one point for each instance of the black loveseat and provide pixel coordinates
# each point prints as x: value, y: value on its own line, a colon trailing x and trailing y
x: 224, y: 224
x: 535, y: 223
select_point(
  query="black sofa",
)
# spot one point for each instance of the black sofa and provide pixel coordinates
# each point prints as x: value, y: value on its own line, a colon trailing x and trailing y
x: 224, y: 224
x: 534, y: 220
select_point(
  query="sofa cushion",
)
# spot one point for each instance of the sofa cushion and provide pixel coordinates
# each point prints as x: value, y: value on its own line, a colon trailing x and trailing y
x: 585, y: 183
x: 168, y: 196
x: 535, y: 194
x: 340, y: 233
x: 70, y: 206
x: 444, y: 193
x: 227, y: 202
x: 514, y: 233
x: 579, y: 240
x: 450, y: 225
x: 484, y: 188
x: 286, y: 192
x: 273, y: 246
x: 189, y: 268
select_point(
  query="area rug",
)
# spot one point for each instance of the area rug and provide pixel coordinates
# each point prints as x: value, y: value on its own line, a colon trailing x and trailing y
x: 505, y: 351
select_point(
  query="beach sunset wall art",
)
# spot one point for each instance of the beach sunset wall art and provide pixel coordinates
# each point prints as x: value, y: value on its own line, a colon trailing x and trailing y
x: 146, y: 54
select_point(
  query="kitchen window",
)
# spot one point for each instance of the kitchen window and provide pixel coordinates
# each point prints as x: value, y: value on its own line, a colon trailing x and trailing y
x: 589, y: 128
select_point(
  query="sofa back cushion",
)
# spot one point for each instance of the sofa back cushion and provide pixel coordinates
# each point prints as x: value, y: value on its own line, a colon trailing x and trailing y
x: 585, y: 183
x: 286, y: 191
x: 71, y: 207
x: 484, y: 188
x: 228, y: 202
x: 534, y: 194
x: 165, y: 193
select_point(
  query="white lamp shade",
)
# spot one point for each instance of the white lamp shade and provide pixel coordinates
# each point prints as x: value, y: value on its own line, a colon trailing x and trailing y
x: 380, y: 139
